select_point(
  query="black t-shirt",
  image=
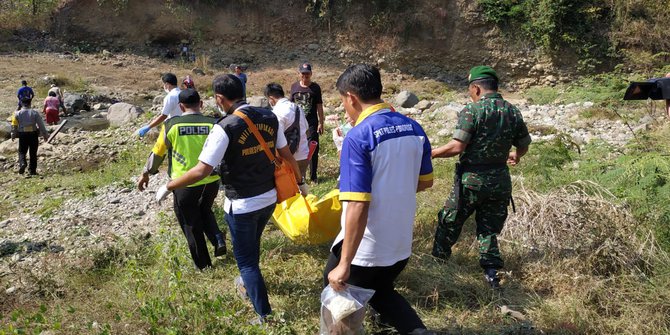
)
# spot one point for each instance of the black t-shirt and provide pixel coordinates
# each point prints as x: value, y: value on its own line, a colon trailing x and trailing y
x: 307, y: 98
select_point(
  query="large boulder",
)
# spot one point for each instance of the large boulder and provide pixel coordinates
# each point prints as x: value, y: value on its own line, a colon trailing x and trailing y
x: 5, y: 130
x: 121, y: 113
x: 423, y: 105
x: 75, y: 103
x: 406, y: 99
x: 9, y: 147
x: 445, y: 112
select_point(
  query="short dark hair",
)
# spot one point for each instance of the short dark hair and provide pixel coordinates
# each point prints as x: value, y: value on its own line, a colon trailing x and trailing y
x: 24, y: 83
x: 273, y: 90
x: 229, y: 86
x: 189, y: 98
x: 169, y: 78
x: 26, y: 102
x: 489, y: 84
x: 52, y: 94
x: 362, y: 80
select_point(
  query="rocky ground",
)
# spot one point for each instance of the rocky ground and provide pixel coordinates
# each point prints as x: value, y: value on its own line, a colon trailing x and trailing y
x: 545, y: 122
x: 99, y: 132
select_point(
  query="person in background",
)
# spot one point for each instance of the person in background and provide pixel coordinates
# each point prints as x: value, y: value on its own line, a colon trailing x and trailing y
x: 170, y: 103
x: 59, y: 94
x: 485, y: 132
x: 25, y: 92
x: 385, y: 161
x: 667, y: 101
x: 239, y: 73
x: 247, y: 175
x: 188, y: 83
x: 294, y: 123
x: 182, y: 139
x: 307, y: 94
x: 51, y: 106
x: 27, y: 125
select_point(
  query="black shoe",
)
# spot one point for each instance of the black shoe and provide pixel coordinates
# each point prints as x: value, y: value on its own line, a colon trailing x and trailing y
x: 491, y: 276
x: 441, y: 255
x: 22, y: 169
x: 220, y: 248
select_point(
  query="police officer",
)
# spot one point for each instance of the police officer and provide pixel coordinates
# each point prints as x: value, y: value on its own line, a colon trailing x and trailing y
x: 486, y: 130
x: 248, y: 178
x: 182, y: 139
x: 27, y: 125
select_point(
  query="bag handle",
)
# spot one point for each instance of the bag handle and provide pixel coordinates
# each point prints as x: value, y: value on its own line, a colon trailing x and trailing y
x: 257, y: 134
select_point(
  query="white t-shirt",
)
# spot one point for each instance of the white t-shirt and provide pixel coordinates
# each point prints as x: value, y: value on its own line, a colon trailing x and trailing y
x: 285, y: 111
x: 56, y: 89
x: 212, y: 153
x: 171, y: 103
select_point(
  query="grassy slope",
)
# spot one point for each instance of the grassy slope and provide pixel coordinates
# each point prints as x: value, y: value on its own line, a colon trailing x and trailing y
x: 149, y: 286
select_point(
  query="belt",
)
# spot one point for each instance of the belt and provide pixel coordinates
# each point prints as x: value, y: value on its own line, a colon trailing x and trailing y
x: 481, y: 167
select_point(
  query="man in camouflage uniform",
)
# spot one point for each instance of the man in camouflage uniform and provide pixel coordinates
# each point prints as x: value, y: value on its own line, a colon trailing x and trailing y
x: 486, y: 130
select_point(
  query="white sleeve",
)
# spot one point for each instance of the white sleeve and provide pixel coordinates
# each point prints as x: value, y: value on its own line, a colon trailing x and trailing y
x: 282, y: 112
x: 281, y: 139
x: 167, y: 106
x: 215, y: 147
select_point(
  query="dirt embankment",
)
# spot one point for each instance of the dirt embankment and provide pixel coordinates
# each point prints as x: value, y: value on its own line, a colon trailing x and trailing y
x: 438, y: 39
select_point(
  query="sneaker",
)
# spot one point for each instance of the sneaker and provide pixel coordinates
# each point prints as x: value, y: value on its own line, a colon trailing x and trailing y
x: 257, y: 321
x: 22, y: 169
x: 266, y: 321
x: 491, y: 276
x: 239, y: 286
x: 220, y: 248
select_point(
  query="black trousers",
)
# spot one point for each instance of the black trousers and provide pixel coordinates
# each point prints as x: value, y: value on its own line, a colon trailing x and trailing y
x: 193, y: 208
x: 394, y: 310
x: 28, y: 142
x: 313, y: 135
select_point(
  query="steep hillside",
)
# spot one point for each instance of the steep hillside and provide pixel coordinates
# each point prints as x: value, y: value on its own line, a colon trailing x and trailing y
x: 427, y: 38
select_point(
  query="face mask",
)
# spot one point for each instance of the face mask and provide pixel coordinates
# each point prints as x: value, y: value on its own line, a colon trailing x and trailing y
x: 166, y: 90
x: 220, y: 110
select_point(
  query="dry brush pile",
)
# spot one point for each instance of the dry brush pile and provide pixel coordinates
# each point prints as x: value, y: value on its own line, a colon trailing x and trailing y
x: 582, y: 219
x: 592, y: 266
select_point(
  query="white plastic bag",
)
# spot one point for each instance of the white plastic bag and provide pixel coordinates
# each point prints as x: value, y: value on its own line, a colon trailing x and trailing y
x: 343, y: 312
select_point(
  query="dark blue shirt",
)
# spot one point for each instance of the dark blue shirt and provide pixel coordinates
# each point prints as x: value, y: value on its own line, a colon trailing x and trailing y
x: 243, y: 79
x: 25, y: 92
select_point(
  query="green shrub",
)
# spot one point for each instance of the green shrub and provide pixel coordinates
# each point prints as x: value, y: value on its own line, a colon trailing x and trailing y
x: 555, y: 24
x: 541, y: 95
x: 604, y: 89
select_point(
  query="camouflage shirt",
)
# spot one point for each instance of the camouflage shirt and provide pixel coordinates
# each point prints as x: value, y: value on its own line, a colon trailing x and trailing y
x: 489, y: 127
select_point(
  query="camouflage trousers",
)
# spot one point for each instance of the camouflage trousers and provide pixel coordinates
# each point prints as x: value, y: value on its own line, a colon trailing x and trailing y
x: 490, y: 205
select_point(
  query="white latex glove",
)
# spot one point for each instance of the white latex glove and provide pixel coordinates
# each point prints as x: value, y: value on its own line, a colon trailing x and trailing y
x: 304, y: 189
x: 338, y: 139
x: 162, y: 193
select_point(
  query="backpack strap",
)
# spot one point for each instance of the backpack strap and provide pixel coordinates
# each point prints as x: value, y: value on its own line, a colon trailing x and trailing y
x: 257, y: 134
x: 296, y: 119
